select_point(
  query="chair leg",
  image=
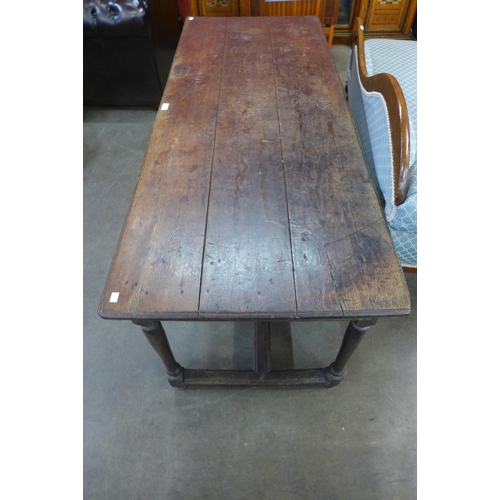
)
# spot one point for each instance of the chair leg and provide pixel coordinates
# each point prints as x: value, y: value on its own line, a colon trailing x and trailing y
x: 330, y: 35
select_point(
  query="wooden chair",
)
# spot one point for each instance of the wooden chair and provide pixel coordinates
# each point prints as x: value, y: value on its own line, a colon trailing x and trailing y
x: 381, y: 88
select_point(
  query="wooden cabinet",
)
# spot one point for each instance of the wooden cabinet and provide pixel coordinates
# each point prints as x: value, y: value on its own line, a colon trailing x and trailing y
x: 382, y: 18
x: 387, y: 18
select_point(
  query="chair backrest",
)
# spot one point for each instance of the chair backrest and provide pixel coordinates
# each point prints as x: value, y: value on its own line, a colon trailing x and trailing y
x: 387, y: 85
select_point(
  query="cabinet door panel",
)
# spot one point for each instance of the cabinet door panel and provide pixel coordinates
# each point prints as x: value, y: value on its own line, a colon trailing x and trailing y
x: 218, y: 8
x: 388, y: 15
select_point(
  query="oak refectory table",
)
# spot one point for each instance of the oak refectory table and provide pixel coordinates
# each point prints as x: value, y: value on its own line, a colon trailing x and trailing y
x: 254, y: 201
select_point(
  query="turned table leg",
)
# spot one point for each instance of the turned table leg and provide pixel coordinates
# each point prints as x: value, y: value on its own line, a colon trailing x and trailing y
x: 154, y: 332
x: 356, y: 330
x: 262, y: 374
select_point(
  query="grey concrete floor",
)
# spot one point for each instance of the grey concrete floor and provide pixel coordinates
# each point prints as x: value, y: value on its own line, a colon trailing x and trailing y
x: 145, y: 440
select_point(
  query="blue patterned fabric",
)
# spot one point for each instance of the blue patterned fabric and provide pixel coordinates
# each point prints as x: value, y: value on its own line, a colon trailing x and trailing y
x: 369, y: 112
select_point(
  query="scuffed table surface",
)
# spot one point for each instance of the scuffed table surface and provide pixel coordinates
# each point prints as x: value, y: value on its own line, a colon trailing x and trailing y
x: 254, y: 200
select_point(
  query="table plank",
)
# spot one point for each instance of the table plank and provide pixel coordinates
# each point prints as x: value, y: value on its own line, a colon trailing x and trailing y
x: 332, y: 204
x: 370, y: 283
x: 248, y: 264
x: 157, y: 266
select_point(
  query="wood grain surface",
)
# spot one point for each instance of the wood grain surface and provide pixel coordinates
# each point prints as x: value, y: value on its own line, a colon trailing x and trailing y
x: 254, y: 200
x: 247, y: 253
x: 157, y: 265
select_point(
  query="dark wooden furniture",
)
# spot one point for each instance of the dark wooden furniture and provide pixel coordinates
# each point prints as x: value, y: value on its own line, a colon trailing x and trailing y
x: 380, y: 17
x: 254, y: 201
x: 221, y: 8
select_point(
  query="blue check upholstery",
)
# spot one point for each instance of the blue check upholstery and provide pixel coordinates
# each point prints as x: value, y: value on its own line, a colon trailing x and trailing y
x: 369, y: 111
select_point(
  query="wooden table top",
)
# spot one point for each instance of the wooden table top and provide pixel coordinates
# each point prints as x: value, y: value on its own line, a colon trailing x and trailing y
x: 254, y: 200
